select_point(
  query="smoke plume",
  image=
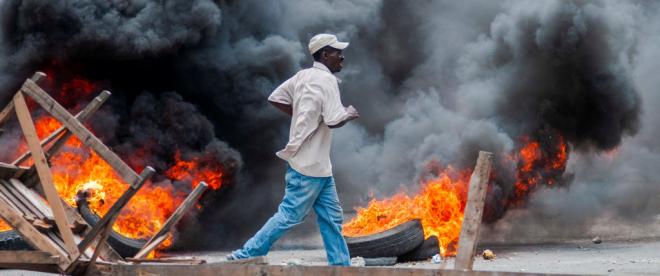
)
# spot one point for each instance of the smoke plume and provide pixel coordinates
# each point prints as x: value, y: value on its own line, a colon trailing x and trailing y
x: 434, y: 81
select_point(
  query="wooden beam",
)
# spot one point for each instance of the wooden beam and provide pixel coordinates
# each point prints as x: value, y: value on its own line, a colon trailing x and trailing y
x: 233, y: 269
x: 467, y: 241
x: 6, y: 113
x: 8, y: 110
x: 24, y: 256
x: 160, y: 236
x: 30, y: 234
x: 87, y: 138
x: 113, y: 212
x: 188, y: 260
x: 45, y: 175
x: 82, y: 116
x: 32, y: 197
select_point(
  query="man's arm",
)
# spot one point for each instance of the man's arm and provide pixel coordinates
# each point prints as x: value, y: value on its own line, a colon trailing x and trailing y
x: 352, y: 114
x: 283, y: 107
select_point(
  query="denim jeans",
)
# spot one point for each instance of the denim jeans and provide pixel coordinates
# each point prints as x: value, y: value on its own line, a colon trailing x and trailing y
x: 302, y: 193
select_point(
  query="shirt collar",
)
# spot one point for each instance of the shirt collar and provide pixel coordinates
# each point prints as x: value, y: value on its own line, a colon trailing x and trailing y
x: 322, y: 66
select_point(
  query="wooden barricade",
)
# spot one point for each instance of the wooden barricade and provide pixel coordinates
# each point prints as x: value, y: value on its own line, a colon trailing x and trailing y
x: 60, y: 237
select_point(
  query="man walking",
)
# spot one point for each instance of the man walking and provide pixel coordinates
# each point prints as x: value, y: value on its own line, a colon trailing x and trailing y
x: 312, y: 99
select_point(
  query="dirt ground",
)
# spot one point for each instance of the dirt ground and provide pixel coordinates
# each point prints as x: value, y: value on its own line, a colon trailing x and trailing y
x: 616, y: 257
x: 613, y: 257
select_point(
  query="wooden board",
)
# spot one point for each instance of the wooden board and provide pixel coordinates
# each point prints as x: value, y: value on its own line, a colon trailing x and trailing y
x: 467, y: 241
x: 45, y: 175
x: 233, y: 269
x: 63, y: 133
x: 6, y: 113
x: 24, y: 256
x: 85, y: 136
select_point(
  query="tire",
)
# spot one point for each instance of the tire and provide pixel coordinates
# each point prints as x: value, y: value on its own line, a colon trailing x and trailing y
x: 11, y: 240
x: 124, y: 246
x: 390, y: 243
x: 424, y: 251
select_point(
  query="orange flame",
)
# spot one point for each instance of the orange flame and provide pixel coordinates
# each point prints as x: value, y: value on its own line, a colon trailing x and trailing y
x: 439, y: 205
x: 539, y: 165
x: 196, y: 171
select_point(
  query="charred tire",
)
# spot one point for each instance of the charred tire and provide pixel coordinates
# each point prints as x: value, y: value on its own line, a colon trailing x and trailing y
x: 390, y: 243
x: 424, y: 251
x: 11, y: 240
x: 124, y: 246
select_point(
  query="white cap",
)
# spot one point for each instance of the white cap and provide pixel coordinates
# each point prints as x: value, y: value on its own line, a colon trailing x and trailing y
x: 321, y: 40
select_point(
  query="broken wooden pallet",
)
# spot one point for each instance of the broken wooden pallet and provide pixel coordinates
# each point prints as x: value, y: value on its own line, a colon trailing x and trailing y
x: 56, y: 231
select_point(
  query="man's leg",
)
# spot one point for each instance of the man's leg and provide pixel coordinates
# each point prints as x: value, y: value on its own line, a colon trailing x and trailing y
x: 330, y: 217
x: 301, y: 192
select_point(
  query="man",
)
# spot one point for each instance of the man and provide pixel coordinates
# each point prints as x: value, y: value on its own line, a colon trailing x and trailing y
x: 312, y: 99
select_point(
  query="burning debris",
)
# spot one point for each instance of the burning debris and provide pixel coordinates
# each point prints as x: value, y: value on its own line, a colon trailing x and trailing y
x: 52, y: 228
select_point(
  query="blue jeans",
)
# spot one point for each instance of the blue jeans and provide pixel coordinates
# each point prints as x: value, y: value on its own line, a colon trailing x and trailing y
x: 302, y: 193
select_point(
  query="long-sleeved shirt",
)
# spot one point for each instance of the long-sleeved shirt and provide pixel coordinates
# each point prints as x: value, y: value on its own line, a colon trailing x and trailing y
x: 313, y: 94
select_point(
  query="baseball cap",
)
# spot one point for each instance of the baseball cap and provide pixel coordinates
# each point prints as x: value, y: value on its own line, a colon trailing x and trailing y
x: 321, y: 40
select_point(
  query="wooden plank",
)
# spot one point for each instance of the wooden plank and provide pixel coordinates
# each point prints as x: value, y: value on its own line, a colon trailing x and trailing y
x: 8, y: 110
x: 113, y: 212
x: 190, y: 261
x: 30, y: 234
x: 87, y: 138
x: 33, y: 198
x: 82, y: 116
x: 221, y: 269
x: 18, y: 199
x: 6, y: 113
x: 45, y: 176
x: 159, y: 237
x: 24, y: 256
x: 6, y: 195
x: 467, y: 241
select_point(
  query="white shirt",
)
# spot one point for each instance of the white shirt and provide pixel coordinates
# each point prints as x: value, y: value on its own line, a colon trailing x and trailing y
x: 313, y: 94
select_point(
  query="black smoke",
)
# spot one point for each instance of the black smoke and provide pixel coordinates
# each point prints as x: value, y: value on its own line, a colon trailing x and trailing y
x: 433, y: 81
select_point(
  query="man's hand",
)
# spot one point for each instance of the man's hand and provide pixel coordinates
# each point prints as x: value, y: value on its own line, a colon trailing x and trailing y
x: 352, y: 115
x: 352, y: 112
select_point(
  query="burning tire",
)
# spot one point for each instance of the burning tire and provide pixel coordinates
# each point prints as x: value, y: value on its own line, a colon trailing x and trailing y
x: 424, y: 251
x: 11, y: 240
x: 124, y: 246
x: 390, y: 243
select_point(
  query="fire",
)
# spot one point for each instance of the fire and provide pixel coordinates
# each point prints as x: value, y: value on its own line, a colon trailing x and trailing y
x: 439, y: 205
x: 540, y: 162
x: 441, y: 201
x: 196, y: 170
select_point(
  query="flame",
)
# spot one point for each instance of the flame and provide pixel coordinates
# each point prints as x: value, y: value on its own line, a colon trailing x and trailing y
x: 441, y: 201
x: 195, y: 170
x: 439, y: 205
x: 539, y: 165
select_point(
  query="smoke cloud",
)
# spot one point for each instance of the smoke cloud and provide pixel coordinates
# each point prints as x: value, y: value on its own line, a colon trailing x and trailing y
x: 434, y: 81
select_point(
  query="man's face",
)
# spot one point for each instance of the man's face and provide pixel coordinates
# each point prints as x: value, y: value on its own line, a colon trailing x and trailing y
x: 333, y: 59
